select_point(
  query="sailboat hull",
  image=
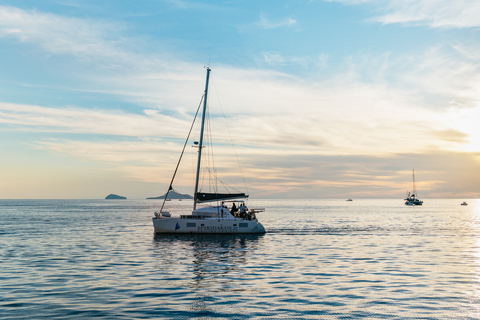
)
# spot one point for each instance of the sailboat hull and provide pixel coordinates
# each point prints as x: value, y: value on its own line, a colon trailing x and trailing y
x: 415, y: 202
x: 179, y: 225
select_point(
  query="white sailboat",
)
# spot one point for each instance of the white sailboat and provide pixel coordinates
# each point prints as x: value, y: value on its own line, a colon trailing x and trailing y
x: 411, y: 198
x: 209, y: 219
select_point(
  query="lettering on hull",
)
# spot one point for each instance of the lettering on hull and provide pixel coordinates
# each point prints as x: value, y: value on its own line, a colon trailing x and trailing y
x: 169, y: 226
x: 215, y: 229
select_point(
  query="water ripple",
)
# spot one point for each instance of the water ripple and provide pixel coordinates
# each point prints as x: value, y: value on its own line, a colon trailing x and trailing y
x: 328, y: 259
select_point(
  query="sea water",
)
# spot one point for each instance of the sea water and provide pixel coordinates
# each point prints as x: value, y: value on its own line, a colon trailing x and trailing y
x: 320, y: 259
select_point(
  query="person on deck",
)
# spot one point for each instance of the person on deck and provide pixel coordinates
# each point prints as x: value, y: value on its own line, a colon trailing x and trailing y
x: 234, y: 209
x: 243, y: 210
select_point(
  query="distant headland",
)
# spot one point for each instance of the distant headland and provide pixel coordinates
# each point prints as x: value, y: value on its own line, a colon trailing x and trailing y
x: 114, y: 196
x: 173, y: 195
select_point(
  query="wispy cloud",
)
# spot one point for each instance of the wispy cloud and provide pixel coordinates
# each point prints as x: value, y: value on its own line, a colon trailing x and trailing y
x: 88, y: 121
x: 276, y: 59
x: 376, y: 107
x: 60, y: 35
x: 433, y: 13
x: 265, y: 23
x: 194, y: 5
x: 339, y: 116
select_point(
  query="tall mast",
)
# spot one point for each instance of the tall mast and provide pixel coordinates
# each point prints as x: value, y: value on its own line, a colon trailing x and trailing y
x: 200, y: 145
x: 414, y: 188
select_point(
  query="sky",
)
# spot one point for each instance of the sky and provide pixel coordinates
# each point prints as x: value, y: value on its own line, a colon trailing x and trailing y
x: 317, y: 99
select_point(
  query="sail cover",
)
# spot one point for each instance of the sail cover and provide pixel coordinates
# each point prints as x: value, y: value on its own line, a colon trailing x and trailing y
x: 205, y: 197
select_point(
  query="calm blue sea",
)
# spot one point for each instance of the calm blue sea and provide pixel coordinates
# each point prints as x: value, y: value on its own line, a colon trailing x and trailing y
x: 320, y: 259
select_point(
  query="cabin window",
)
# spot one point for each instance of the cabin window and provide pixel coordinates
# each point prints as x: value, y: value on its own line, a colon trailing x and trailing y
x: 191, y: 225
x: 243, y: 224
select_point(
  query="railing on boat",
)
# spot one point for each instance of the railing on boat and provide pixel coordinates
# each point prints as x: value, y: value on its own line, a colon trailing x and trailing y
x: 189, y: 216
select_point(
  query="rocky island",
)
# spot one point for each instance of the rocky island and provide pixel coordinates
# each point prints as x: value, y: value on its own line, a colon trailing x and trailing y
x: 173, y: 195
x: 114, y: 197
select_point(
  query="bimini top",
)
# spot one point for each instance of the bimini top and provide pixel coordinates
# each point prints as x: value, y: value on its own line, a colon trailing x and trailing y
x: 207, y: 197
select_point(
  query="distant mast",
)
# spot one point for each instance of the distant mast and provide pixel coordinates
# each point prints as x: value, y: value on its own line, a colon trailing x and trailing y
x: 414, y: 187
x: 200, y: 145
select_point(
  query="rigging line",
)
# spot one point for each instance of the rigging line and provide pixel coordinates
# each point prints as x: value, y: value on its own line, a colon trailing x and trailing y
x: 210, y: 176
x: 231, y: 140
x: 212, y: 169
x: 227, y: 186
x: 204, y: 183
x: 181, y: 155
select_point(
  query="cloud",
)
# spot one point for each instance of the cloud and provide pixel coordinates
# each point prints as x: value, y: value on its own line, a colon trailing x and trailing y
x: 292, y: 132
x: 102, y: 49
x: 194, y: 5
x: 144, y: 160
x: 433, y: 13
x: 266, y: 23
x: 87, y: 121
x: 340, y: 116
x: 448, y: 71
x: 275, y: 59
x: 82, y: 38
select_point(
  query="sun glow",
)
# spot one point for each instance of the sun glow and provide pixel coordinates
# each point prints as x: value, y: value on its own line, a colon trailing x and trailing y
x: 466, y: 121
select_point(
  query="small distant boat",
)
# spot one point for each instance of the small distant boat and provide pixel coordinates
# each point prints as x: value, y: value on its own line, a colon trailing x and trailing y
x: 411, y: 198
x: 349, y: 200
x: 464, y: 203
x: 211, y: 218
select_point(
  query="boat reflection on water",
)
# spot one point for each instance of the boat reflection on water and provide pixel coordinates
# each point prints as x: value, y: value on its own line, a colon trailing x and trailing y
x: 206, y: 268
x: 219, y: 250
x: 208, y: 239
x: 207, y: 255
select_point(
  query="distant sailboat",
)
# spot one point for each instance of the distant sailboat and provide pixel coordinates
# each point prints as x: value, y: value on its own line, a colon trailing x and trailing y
x: 411, y: 199
x: 209, y: 219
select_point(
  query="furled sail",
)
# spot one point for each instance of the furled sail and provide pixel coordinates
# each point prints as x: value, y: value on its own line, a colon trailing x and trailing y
x: 206, y: 197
